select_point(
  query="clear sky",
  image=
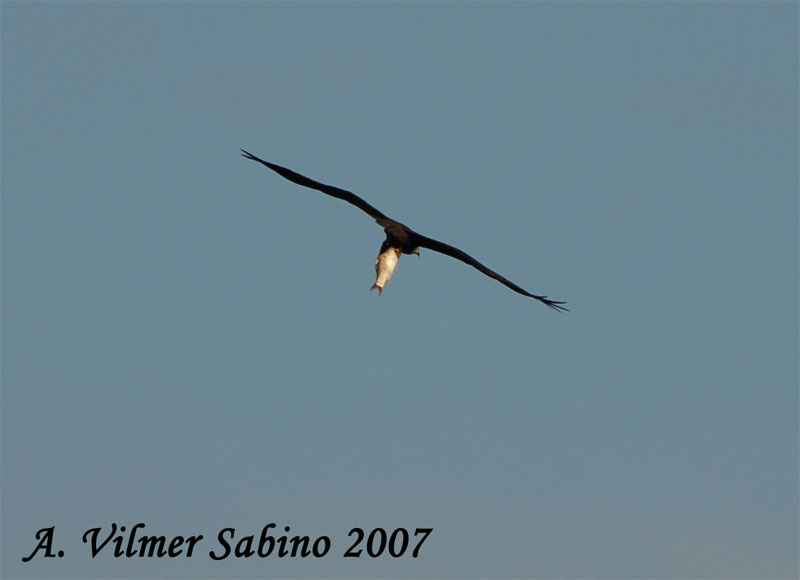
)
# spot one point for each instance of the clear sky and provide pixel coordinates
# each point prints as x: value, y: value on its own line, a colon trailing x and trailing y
x: 189, y: 341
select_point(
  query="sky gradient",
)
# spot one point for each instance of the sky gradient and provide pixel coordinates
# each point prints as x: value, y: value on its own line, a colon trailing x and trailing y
x: 189, y: 341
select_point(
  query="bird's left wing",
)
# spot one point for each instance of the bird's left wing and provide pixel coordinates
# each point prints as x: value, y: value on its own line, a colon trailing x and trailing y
x: 331, y: 190
x: 453, y: 252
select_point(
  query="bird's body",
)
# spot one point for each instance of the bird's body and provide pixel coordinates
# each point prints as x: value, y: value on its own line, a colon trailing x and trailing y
x: 400, y: 239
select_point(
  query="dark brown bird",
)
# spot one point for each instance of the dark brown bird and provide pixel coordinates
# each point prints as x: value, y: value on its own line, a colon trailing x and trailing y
x: 400, y: 239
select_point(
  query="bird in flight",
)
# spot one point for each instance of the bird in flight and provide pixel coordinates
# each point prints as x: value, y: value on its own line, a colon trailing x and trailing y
x: 400, y: 239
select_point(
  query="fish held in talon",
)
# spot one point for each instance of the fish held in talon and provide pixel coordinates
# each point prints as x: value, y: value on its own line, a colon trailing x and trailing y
x: 385, y: 265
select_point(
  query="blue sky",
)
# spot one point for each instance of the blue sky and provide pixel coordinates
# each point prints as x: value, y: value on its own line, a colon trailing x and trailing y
x: 189, y: 341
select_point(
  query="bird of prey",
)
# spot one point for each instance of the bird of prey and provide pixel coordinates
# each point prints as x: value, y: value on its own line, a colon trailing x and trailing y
x: 400, y: 239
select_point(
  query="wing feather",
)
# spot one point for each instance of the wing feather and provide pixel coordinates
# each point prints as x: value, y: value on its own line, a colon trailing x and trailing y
x: 454, y: 252
x: 331, y: 190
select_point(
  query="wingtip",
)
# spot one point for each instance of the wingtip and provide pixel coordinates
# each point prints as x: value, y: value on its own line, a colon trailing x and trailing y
x: 554, y: 304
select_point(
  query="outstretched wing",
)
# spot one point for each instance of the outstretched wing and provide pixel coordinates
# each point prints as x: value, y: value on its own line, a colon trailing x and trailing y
x: 336, y: 192
x: 449, y: 250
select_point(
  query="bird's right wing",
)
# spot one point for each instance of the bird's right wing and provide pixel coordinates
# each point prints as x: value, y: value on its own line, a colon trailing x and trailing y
x: 454, y: 252
x: 331, y: 190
